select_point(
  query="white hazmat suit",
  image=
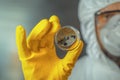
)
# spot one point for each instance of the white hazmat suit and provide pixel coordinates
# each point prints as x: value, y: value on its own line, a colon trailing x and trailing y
x: 95, y: 65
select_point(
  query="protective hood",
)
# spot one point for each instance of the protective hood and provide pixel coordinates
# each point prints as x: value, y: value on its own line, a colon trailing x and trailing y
x: 86, y: 13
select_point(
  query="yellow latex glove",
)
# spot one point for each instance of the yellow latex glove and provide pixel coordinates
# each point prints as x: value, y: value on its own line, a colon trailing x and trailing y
x: 38, y: 55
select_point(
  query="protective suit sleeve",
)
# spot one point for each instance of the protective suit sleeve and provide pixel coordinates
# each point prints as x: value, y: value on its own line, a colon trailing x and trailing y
x: 37, y: 52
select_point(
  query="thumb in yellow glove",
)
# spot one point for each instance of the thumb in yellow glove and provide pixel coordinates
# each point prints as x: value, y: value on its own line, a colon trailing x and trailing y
x: 38, y: 55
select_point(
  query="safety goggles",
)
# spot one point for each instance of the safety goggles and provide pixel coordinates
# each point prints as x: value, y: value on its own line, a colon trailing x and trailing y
x: 104, y: 15
x: 101, y: 18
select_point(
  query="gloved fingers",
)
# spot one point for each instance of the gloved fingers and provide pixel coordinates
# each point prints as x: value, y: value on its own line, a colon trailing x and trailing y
x: 73, y: 54
x: 54, y: 18
x: 39, y: 31
x: 55, y: 24
x: 21, y: 42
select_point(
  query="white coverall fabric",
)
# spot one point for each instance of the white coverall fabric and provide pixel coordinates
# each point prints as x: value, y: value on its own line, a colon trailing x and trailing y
x: 95, y: 65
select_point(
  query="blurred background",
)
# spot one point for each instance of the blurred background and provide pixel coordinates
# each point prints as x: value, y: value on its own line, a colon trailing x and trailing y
x: 28, y: 13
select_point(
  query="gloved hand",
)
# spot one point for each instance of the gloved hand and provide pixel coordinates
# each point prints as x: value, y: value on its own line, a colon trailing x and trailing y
x: 38, y: 55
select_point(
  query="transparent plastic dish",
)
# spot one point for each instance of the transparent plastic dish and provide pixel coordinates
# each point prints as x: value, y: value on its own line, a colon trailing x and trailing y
x: 66, y: 37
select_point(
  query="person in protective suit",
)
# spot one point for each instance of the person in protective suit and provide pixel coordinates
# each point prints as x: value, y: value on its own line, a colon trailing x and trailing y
x: 100, y: 27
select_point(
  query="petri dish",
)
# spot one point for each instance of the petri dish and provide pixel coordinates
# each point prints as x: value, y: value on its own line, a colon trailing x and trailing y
x: 66, y: 37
